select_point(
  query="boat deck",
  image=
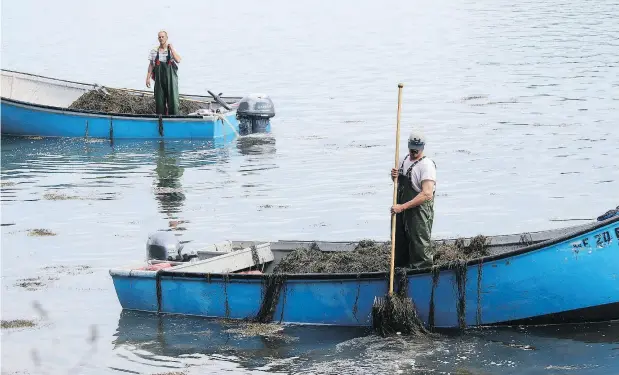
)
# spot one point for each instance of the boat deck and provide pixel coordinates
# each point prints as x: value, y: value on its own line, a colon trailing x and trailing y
x: 500, y: 245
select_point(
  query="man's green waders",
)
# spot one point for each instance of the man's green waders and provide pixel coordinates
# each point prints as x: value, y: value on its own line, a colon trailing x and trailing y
x: 166, y: 86
x: 413, y: 226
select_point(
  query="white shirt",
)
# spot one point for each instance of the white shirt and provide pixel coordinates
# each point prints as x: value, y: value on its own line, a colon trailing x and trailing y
x: 423, y: 170
x: 163, y: 55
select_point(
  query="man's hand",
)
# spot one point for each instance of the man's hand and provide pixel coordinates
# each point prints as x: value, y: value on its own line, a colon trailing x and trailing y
x: 396, y: 209
x: 148, y: 82
x: 175, y: 56
x: 394, y: 173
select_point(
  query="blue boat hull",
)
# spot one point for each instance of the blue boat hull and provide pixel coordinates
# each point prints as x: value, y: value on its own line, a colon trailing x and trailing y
x: 34, y: 105
x: 22, y: 119
x: 573, y: 278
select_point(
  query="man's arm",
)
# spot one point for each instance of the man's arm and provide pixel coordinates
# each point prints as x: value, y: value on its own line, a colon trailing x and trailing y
x: 149, y: 73
x: 427, y: 193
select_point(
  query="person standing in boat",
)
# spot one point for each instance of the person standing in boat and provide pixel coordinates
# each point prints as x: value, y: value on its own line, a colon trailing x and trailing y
x: 163, y: 63
x: 415, y: 205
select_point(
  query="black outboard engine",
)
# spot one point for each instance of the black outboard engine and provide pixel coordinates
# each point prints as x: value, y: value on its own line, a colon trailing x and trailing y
x: 163, y: 246
x: 253, y: 113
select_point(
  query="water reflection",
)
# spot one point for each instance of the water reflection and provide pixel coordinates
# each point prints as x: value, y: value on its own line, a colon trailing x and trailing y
x: 91, y: 156
x: 587, y: 333
x: 318, y: 349
x: 256, y: 144
x: 174, y: 336
x: 168, y: 188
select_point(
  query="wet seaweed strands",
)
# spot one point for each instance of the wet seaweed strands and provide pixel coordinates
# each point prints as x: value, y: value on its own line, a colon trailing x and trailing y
x: 272, y: 287
x: 435, y: 277
x: 120, y: 101
x: 460, y: 274
x: 397, y: 313
x: 455, y: 257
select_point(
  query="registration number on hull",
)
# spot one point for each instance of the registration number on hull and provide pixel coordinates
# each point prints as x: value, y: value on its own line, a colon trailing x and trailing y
x: 599, y: 241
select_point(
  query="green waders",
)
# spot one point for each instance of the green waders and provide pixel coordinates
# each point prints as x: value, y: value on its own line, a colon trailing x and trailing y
x: 413, y: 227
x: 166, y: 86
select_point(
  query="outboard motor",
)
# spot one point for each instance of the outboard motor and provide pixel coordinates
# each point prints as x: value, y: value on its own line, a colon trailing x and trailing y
x: 253, y: 113
x: 163, y: 246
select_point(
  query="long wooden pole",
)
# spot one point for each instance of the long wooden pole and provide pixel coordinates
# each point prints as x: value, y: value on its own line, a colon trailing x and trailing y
x: 395, y: 187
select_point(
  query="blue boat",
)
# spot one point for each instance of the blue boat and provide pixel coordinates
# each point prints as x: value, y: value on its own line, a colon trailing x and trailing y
x: 34, y: 105
x: 558, y: 276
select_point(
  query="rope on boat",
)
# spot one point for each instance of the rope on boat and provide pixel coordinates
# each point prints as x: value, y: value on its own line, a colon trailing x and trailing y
x: 158, y: 288
x: 224, y: 119
x: 435, y: 277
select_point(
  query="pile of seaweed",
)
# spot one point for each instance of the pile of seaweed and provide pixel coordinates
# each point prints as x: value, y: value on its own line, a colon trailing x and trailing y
x: 370, y: 256
x: 120, y: 101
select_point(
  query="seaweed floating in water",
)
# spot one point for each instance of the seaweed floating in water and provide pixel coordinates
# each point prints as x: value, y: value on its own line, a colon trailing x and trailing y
x: 30, y: 283
x: 269, y: 331
x: 120, y: 101
x: 59, y: 197
x: 17, y: 323
x: 40, y: 232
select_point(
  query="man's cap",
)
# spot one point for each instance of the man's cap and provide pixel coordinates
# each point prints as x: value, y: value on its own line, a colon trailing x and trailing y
x: 416, y: 140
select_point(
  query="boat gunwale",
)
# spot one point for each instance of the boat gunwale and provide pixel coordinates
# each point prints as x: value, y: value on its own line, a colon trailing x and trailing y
x: 372, y: 275
x: 118, y: 115
x: 94, y: 85
x: 227, y: 99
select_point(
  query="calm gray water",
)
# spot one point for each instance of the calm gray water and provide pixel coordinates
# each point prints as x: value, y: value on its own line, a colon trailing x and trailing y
x: 519, y: 100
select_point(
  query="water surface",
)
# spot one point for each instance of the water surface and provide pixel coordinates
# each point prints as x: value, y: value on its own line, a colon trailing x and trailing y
x: 519, y: 102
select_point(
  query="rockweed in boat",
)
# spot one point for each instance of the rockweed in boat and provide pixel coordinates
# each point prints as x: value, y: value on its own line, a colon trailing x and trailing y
x: 370, y: 256
x: 118, y: 101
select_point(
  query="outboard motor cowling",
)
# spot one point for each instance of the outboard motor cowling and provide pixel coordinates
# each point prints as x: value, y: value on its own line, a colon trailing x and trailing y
x: 163, y: 246
x: 254, y: 112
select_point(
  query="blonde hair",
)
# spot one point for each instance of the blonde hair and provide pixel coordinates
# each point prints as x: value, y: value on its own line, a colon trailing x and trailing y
x: 163, y: 31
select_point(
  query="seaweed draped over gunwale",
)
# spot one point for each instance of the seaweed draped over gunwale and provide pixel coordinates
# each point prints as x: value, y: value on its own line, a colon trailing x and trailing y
x: 369, y: 256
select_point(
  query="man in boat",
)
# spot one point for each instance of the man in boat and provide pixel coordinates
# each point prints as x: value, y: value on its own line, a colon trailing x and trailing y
x: 415, y: 205
x: 162, y: 68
